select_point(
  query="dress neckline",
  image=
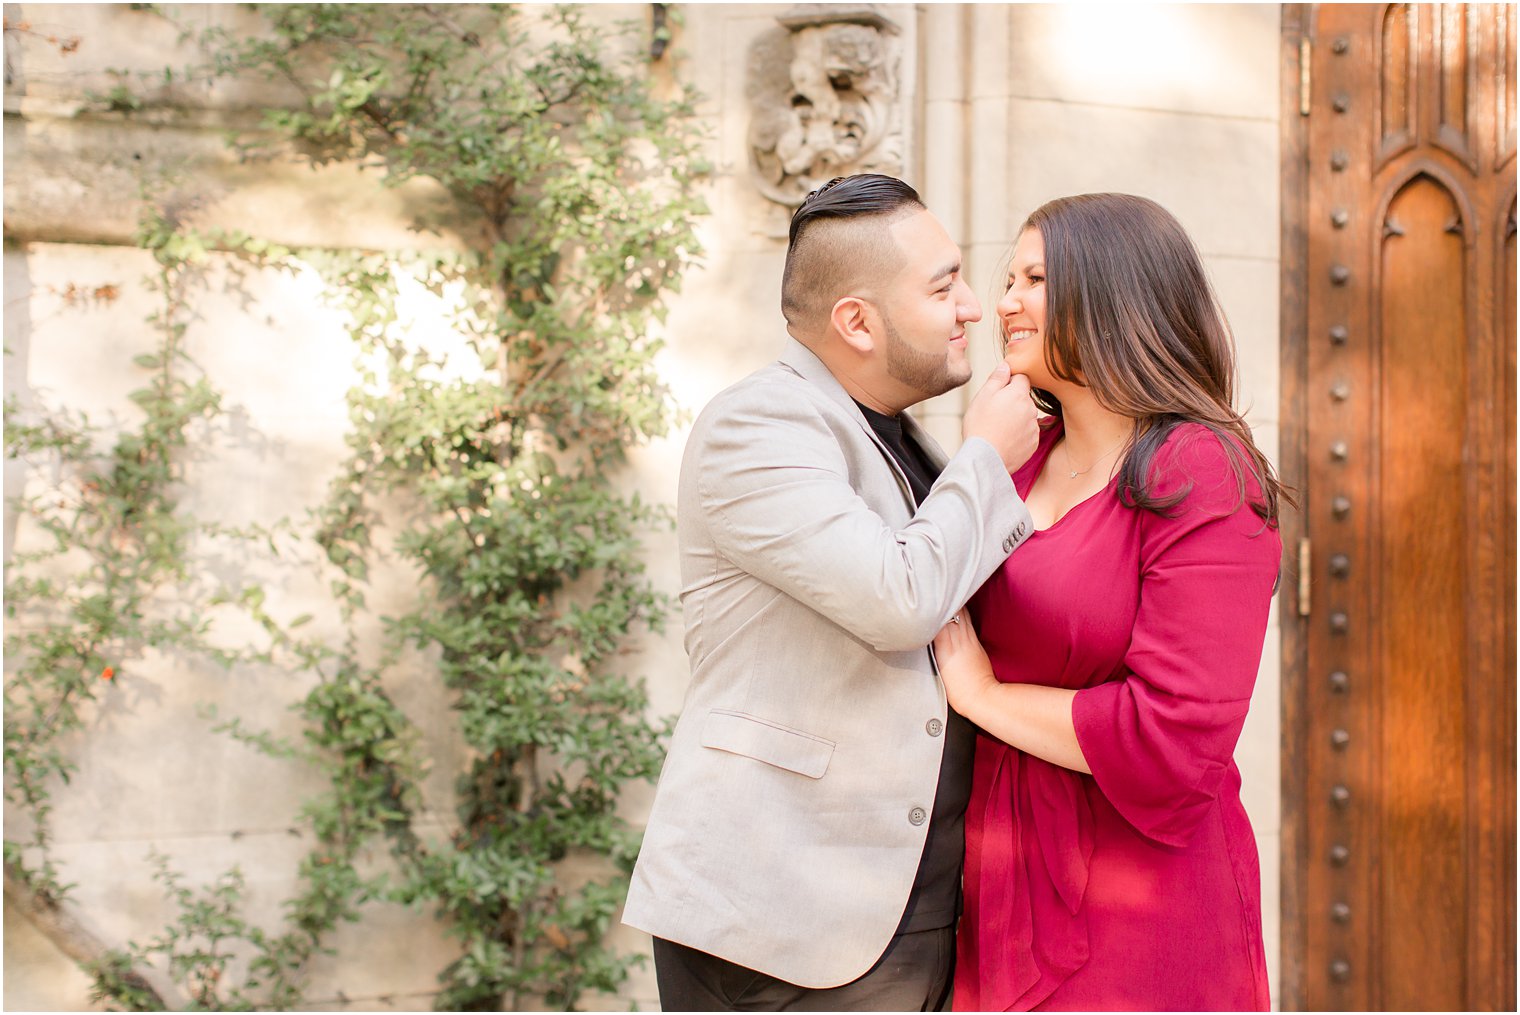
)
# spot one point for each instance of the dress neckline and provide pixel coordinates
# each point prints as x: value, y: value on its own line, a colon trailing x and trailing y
x: 1042, y: 456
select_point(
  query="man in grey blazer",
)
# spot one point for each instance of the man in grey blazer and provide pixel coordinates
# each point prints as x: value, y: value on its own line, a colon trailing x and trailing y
x: 805, y: 844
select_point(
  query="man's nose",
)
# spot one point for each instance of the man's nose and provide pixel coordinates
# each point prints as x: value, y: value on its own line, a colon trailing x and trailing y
x: 969, y: 307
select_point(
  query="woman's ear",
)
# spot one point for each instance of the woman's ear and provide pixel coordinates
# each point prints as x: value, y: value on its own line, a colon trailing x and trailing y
x: 853, y: 318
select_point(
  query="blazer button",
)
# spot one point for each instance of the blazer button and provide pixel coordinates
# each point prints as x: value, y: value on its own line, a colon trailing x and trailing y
x: 917, y: 816
x: 935, y: 727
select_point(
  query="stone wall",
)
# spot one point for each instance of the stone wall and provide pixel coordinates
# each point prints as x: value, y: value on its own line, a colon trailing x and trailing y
x: 993, y: 109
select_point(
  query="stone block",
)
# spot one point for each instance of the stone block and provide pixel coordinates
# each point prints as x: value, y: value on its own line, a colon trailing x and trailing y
x: 991, y: 47
x: 943, y: 40
x: 943, y: 187
x: 1209, y: 59
x: 117, y: 44
x: 993, y: 215
x: 154, y: 767
x: 1268, y: 437
x: 1247, y: 289
x: 1218, y: 175
x: 283, y: 370
x: 82, y: 179
x: 1258, y: 754
x: 389, y: 960
x: 85, y: 309
x: 727, y: 322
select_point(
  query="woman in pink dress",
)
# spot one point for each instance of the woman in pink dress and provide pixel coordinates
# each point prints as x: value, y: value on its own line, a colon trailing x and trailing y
x: 1109, y: 862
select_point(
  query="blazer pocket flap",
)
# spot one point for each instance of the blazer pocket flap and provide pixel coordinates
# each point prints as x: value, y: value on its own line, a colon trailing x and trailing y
x: 753, y: 737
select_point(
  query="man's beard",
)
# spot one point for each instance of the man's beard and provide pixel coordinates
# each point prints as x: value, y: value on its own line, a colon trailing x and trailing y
x: 924, y: 372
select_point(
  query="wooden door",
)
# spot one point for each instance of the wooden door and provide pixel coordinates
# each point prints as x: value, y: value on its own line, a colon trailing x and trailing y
x: 1399, y: 431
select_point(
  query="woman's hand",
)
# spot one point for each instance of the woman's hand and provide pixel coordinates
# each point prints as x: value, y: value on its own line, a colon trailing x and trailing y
x: 1033, y: 718
x: 963, y: 664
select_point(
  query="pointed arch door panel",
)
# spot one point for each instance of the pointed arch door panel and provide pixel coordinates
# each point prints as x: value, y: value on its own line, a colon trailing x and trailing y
x: 1399, y: 844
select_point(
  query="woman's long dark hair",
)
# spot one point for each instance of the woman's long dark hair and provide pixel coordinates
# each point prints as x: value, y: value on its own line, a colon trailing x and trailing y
x: 1130, y: 314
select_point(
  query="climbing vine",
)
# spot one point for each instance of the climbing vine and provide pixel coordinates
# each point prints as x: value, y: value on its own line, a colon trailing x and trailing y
x: 108, y: 576
x: 87, y: 598
x: 581, y: 185
x: 571, y: 196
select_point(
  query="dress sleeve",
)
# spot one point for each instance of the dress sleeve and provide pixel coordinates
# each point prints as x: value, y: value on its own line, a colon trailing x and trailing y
x: 1160, y: 736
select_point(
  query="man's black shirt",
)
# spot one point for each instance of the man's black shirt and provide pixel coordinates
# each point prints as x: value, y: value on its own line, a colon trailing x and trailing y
x: 935, y: 899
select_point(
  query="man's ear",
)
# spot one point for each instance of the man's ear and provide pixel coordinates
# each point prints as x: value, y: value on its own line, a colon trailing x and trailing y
x: 853, y: 318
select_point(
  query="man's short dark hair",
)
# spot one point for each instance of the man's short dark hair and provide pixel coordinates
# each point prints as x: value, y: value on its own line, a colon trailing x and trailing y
x: 828, y: 252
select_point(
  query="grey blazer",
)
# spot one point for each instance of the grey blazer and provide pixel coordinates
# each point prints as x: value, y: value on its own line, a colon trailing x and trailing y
x: 791, y: 812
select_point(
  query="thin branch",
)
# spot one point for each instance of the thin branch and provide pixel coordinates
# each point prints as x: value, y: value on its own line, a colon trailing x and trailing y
x: 379, y: 119
x: 469, y: 38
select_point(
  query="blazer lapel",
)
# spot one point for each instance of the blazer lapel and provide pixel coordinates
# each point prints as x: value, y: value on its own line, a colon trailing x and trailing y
x: 807, y: 365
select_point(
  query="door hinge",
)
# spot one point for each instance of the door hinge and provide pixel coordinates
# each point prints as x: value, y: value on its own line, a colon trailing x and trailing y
x: 1305, y: 74
x: 1303, y: 576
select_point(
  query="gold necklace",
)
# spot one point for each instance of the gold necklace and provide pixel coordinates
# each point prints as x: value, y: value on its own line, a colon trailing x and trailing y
x: 1074, y: 473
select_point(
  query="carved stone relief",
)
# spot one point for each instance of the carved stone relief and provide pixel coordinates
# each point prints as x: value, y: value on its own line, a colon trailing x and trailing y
x: 823, y: 96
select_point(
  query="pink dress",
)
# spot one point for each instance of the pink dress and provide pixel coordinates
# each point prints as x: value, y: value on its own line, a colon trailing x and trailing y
x: 1136, y: 887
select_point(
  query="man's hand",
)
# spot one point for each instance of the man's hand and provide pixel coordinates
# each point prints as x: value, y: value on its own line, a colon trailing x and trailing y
x: 1003, y: 415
